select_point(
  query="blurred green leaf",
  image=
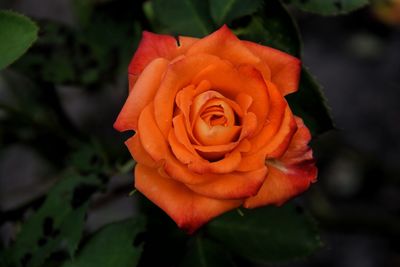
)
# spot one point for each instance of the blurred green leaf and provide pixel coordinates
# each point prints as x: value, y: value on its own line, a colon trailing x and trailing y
x: 328, y: 7
x: 273, y: 26
x: 57, y: 224
x: 224, y: 11
x: 116, y: 244
x: 32, y: 115
x: 310, y: 104
x: 90, y: 158
x: 268, y: 234
x: 89, y: 57
x: 206, y: 253
x: 17, y: 33
x: 90, y: 54
x: 183, y: 17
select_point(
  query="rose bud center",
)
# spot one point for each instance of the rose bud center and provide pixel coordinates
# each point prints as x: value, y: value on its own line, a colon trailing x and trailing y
x: 214, y: 121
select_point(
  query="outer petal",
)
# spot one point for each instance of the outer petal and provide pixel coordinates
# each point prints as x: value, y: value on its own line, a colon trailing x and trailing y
x: 224, y: 44
x: 187, y: 209
x: 239, y: 185
x: 153, y: 46
x: 290, y: 175
x: 142, y: 94
x: 285, y: 69
x: 138, y: 152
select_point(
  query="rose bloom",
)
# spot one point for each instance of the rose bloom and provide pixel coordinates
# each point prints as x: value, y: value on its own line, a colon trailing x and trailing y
x: 213, y: 130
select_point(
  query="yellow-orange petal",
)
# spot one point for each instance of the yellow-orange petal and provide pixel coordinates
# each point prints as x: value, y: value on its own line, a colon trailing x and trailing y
x: 214, y: 152
x: 215, y: 135
x: 224, y: 44
x: 138, y: 152
x: 142, y: 94
x: 231, y: 82
x: 232, y: 186
x: 275, y: 146
x: 150, y: 135
x: 281, y: 140
x: 226, y: 165
x: 188, y: 209
x: 273, y: 122
x: 183, y: 154
x: 285, y: 69
x: 156, y: 146
x: 290, y: 175
x: 178, y: 75
x: 182, y: 135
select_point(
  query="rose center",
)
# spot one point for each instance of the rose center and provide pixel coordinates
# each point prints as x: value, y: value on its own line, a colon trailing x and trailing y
x: 214, y: 115
x: 214, y: 120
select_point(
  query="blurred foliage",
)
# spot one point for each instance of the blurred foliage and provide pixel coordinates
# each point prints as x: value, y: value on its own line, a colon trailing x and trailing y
x: 203, y: 252
x: 59, y: 222
x: 17, y: 33
x: 90, y: 55
x: 117, y: 244
x: 272, y: 234
x: 328, y: 7
x: 93, y: 52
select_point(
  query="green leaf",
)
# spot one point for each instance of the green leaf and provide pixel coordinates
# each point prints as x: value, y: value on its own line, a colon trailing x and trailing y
x: 59, y: 221
x: 90, y: 55
x: 90, y: 157
x: 114, y: 245
x: 273, y: 26
x: 203, y: 252
x: 310, y: 104
x: 184, y: 17
x: 224, y: 11
x: 267, y: 234
x: 328, y: 7
x: 17, y: 33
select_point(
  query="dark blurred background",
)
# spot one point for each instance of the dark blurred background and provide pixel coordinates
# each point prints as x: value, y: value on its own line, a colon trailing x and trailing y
x: 355, y: 57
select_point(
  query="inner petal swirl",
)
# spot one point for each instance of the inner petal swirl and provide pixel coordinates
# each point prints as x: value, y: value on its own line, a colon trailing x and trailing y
x: 213, y: 120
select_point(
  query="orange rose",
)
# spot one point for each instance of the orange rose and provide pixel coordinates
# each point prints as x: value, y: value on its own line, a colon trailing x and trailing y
x: 213, y: 129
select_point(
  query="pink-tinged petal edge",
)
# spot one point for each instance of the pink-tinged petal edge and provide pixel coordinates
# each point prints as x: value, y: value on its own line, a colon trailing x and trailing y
x: 289, y: 175
x: 189, y: 210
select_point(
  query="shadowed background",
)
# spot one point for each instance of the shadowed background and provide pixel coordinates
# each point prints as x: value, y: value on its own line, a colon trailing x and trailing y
x: 355, y: 57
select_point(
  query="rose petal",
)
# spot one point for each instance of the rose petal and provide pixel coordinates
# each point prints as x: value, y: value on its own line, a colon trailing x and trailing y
x: 150, y: 135
x: 224, y: 44
x: 231, y: 82
x: 187, y: 209
x: 138, y: 152
x: 285, y: 69
x: 179, y: 75
x: 275, y: 146
x: 183, y: 154
x: 181, y: 132
x: 156, y: 146
x: 184, y: 100
x: 213, y: 152
x: 197, y: 164
x: 290, y: 175
x: 273, y: 122
x: 154, y: 46
x: 239, y: 185
x: 142, y: 94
